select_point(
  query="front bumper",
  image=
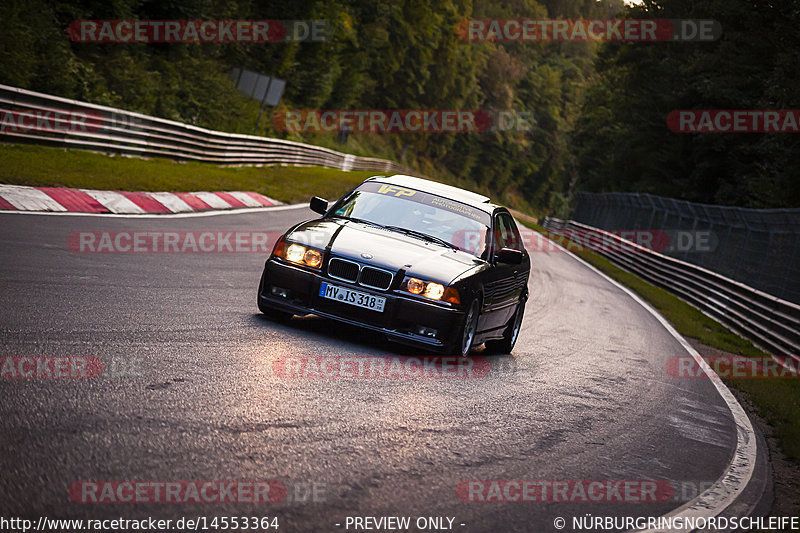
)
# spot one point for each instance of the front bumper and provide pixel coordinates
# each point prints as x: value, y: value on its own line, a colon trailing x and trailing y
x: 399, y: 321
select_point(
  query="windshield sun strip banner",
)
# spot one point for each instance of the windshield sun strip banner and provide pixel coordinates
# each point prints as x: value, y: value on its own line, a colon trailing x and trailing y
x: 425, y: 198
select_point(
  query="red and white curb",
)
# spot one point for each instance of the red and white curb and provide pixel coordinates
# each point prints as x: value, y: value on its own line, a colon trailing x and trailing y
x: 62, y: 199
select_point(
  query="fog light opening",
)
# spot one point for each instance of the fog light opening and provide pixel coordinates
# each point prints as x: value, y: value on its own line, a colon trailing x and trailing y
x: 280, y: 292
x: 426, y: 331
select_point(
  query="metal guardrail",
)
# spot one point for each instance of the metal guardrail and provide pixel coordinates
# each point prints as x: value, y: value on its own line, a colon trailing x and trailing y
x: 36, y: 118
x: 759, y: 247
x: 770, y: 322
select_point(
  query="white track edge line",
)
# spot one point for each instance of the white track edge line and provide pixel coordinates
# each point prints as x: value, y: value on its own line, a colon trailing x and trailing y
x: 216, y: 212
x: 740, y: 470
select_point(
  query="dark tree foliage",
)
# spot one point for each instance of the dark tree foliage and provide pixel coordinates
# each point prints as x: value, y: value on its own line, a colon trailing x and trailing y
x: 599, y: 122
x: 622, y: 142
x: 383, y: 54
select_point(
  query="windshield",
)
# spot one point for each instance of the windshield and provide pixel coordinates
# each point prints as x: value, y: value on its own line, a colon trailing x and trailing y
x: 464, y: 227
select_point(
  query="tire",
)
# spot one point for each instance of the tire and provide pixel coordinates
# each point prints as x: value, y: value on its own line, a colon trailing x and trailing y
x: 466, y: 334
x: 510, y: 335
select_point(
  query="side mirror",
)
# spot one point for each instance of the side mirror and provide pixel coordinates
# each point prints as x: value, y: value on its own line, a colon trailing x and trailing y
x: 510, y: 256
x: 319, y: 205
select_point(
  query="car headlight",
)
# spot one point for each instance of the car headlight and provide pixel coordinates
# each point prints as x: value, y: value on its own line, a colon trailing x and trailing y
x: 415, y: 286
x: 312, y: 258
x: 429, y: 289
x: 434, y: 291
x: 297, y: 253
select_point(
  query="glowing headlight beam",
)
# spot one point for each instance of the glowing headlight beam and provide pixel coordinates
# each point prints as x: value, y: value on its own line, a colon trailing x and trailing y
x: 434, y: 291
x: 415, y: 286
x: 295, y: 253
x: 313, y: 258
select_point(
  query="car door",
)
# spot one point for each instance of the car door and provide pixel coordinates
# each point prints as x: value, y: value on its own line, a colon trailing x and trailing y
x: 503, y: 287
x: 521, y: 271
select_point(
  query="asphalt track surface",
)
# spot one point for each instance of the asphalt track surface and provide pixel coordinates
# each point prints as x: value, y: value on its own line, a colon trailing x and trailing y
x: 191, y: 393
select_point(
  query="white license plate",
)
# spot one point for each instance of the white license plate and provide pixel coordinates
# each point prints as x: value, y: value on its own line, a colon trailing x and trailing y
x: 349, y: 296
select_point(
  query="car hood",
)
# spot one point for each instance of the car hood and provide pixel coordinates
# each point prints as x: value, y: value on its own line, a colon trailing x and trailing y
x: 389, y: 249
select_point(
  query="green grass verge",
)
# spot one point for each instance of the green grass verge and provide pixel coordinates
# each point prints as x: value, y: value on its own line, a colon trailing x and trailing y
x: 775, y: 400
x: 56, y: 167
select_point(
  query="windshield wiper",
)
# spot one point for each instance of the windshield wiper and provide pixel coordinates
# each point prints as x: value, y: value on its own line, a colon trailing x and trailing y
x: 422, y: 235
x: 414, y: 233
x: 362, y: 221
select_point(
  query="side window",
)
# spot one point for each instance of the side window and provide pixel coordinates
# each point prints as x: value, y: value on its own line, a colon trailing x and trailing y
x: 515, y: 235
x: 506, y: 233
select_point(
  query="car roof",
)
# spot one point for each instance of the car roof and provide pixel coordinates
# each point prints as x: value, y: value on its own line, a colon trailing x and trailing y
x: 440, y: 189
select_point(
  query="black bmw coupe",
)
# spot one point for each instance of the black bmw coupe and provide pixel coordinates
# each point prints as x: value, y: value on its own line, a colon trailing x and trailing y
x: 427, y: 264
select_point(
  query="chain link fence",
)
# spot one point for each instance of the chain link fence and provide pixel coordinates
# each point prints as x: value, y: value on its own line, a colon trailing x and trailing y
x: 758, y: 247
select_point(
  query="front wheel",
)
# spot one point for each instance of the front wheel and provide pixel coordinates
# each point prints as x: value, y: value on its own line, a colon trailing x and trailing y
x: 463, y: 341
x: 510, y: 335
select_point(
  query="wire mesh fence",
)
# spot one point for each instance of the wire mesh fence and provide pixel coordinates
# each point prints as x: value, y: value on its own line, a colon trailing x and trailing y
x: 759, y: 247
